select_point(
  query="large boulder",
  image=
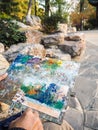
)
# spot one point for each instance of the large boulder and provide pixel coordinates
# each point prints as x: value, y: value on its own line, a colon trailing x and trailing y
x: 13, y: 51
x: 32, y: 49
x: 74, y: 48
x: 74, y: 37
x: 74, y: 44
x: 36, y: 20
x: 71, y: 29
x: 20, y: 24
x: 33, y: 36
x: 62, y: 28
x: 33, y: 21
x: 52, y: 40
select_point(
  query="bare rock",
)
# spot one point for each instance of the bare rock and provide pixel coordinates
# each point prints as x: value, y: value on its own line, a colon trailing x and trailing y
x: 75, y: 37
x: 52, y: 40
x: 32, y: 49
x: 13, y: 51
x: 34, y: 21
x: 74, y: 48
x: 71, y: 29
x: 33, y: 36
x: 62, y: 28
x: 56, y: 53
x: 20, y: 24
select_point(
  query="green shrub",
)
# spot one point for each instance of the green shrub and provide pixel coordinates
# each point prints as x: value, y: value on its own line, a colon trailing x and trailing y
x: 50, y: 24
x: 10, y: 34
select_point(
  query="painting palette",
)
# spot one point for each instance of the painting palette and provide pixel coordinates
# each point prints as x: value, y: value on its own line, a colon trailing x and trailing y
x: 41, y: 84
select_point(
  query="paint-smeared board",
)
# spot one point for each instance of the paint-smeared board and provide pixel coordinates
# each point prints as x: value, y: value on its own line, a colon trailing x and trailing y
x: 41, y: 84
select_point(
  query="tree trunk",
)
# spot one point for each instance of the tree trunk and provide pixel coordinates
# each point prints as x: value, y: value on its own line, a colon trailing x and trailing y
x: 47, y: 7
x: 81, y: 10
x: 81, y: 5
x: 97, y: 16
x: 59, y: 9
x: 28, y: 16
x: 29, y: 8
x: 35, y: 10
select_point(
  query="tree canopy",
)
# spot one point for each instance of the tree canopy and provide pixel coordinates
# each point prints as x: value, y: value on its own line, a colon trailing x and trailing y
x: 84, y: 15
x: 13, y: 9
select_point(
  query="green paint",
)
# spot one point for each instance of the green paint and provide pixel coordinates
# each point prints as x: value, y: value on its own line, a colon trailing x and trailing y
x: 53, y: 66
x: 59, y: 105
x: 25, y: 88
x: 25, y: 59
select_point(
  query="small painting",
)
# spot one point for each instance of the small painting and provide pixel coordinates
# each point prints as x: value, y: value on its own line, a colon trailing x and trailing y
x: 41, y: 84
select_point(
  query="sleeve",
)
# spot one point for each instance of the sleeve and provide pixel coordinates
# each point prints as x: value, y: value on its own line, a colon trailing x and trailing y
x: 17, y: 128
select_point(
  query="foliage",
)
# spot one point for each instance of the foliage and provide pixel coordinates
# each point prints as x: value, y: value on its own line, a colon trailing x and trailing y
x: 9, y: 33
x: 40, y: 12
x: 93, y: 2
x: 21, y: 10
x: 60, y: 5
x: 6, y: 8
x: 81, y: 19
x: 91, y: 24
x: 13, y: 9
x: 50, y: 24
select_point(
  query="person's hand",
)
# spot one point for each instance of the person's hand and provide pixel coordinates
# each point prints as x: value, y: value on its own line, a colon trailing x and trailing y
x: 29, y: 121
x: 3, y: 76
